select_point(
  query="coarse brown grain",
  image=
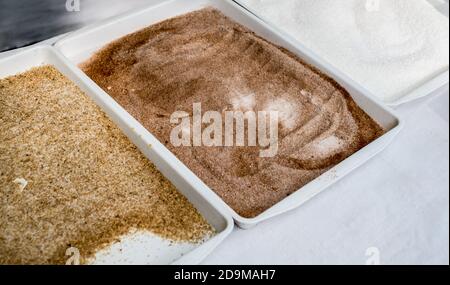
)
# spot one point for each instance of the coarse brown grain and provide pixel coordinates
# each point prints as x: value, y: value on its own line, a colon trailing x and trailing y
x: 87, y: 183
x: 204, y: 57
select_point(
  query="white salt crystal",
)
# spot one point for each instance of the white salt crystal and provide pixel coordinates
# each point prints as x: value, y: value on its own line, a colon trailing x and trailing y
x: 21, y: 182
x: 388, y: 46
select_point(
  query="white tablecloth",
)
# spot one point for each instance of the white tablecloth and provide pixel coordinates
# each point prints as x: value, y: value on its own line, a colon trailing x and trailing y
x: 394, y: 208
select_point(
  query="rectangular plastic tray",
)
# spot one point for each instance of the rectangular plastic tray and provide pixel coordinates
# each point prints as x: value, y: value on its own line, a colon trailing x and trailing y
x: 81, y: 45
x: 148, y: 249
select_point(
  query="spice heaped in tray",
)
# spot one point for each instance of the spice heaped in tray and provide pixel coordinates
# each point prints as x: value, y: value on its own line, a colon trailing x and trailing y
x: 71, y: 179
x: 205, y: 58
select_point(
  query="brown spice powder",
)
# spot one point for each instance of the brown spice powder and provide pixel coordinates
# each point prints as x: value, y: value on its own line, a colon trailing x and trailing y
x: 204, y: 57
x: 87, y: 183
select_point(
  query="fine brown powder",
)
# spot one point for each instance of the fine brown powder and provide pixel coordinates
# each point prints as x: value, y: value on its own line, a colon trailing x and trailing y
x: 70, y: 178
x: 204, y: 57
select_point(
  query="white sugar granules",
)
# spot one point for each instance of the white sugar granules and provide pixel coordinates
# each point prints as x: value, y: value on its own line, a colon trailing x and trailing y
x: 388, y: 46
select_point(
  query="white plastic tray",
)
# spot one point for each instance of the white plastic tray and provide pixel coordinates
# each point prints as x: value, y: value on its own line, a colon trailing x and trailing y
x: 139, y: 248
x: 427, y: 88
x: 81, y: 45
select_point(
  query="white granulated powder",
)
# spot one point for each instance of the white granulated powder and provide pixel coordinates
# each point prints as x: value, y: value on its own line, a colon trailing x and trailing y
x: 388, y: 46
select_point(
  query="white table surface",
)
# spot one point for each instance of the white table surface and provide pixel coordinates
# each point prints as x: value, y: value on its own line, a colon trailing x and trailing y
x: 397, y: 203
